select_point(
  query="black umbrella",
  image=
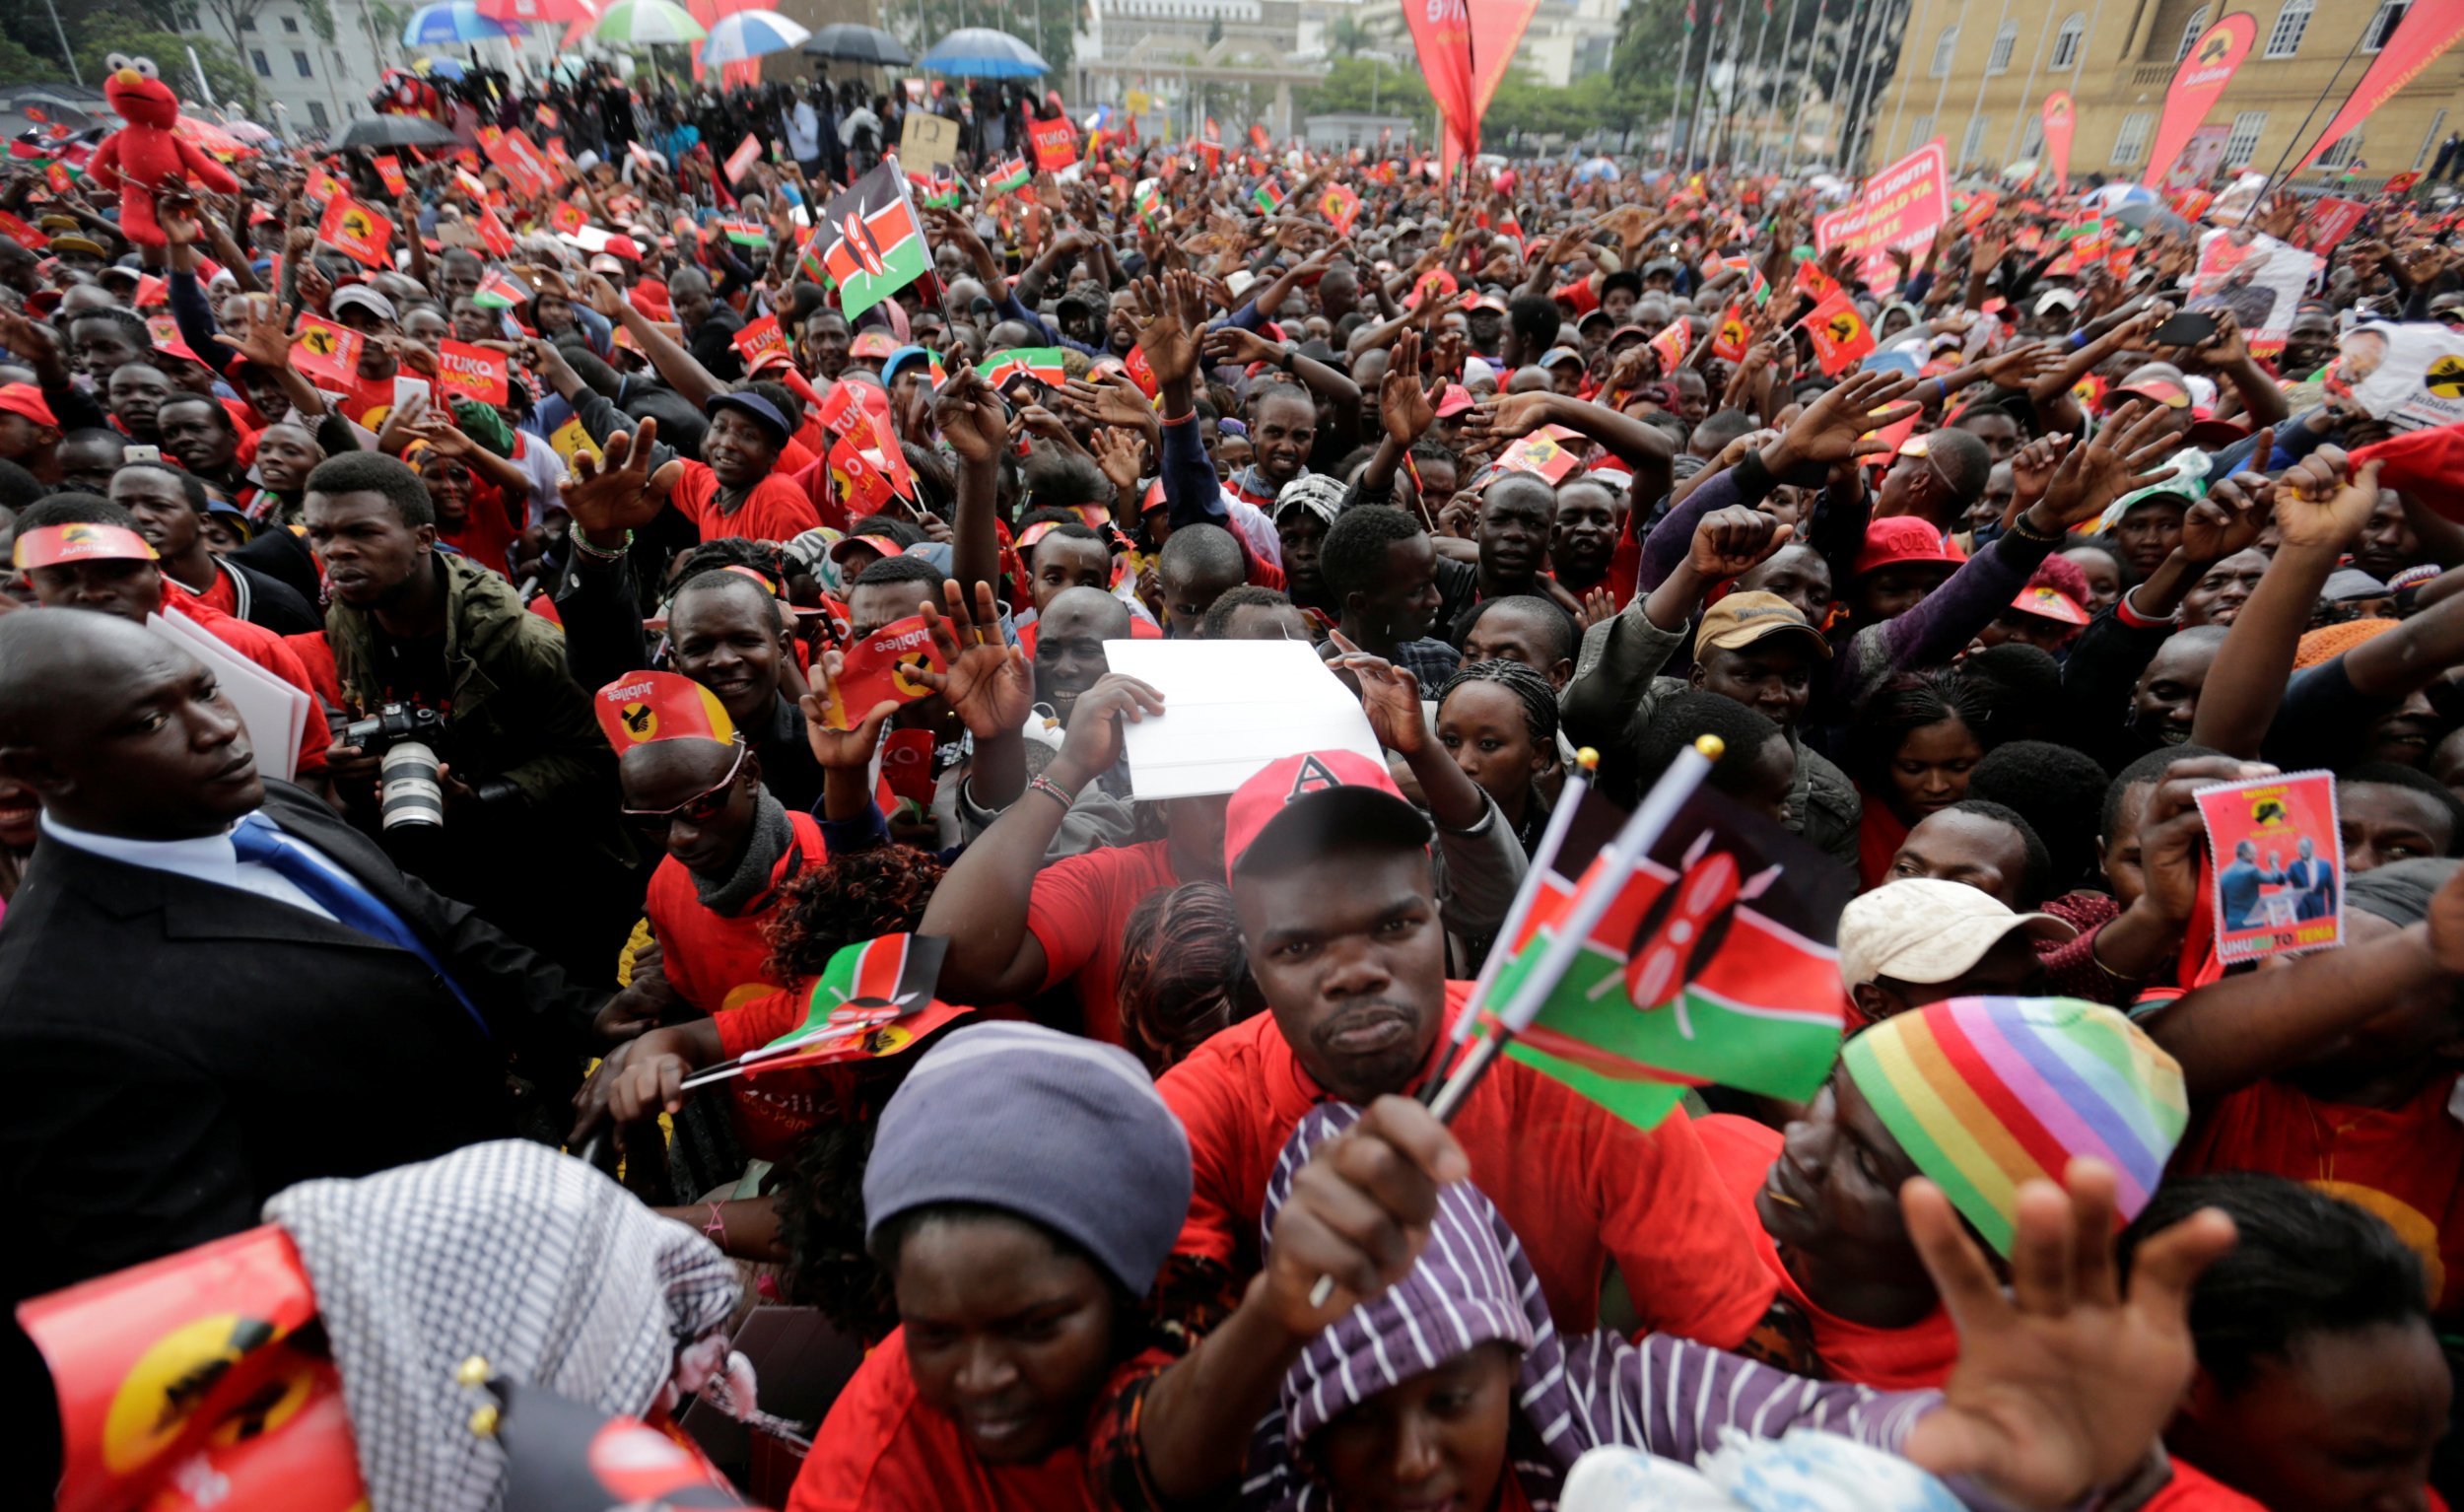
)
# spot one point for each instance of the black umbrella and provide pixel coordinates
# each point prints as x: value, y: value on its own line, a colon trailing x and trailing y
x: 852, y: 43
x: 396, y: 131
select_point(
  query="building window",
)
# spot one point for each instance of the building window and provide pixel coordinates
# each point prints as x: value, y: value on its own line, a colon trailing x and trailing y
x: 1944, y: 46
x: 2383, y: 25
x: 299, y: 60
x: 2342, y: 152
x: 2243, y: 144
x: 2291, y: 22
x: 1999, y: 62
x: 2032, y: 139
x: 316, y: 115
x: 291, y: 24
x: 1920, y: 132
x: 2130, y: 144
x: 1974, y: 143
x: 264, y: 70
x: 2191, y: 28
x: 2066, y: 42
x: 2430, y: 141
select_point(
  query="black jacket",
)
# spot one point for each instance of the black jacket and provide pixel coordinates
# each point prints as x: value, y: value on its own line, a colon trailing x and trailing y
x: 179, y: 1051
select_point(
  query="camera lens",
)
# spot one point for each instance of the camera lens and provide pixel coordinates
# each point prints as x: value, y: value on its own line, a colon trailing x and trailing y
x: 411, y: 793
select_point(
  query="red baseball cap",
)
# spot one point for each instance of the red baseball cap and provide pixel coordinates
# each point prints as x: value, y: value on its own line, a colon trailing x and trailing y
x: 622, y: 246
x: 82, y: 542
x: 26, y: 400
x: 1454, y: 400
x: 1899, y: 538
x: 1320, y: 794
x: 2049, y: 602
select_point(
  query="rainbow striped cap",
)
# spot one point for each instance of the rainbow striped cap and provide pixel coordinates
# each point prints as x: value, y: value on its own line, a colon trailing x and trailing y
x: 1984, y: 1093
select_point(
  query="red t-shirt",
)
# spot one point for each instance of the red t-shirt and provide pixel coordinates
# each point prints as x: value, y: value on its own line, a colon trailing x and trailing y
x: 1886, y: 1360
x: 1078, y: 911
x: 2193, y: 1489
x: 717, y: 963
x: 2405, y: 1164
x: 776, y: 511
x: 1580, y: 1186
x: 269, y: 650
x: 823, y: 494
x: 883, y: 1449
x: 365, y: 402
x: 488, y: 533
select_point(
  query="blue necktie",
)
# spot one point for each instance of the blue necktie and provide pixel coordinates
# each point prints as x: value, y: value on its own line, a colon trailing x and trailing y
x: 340, y: 894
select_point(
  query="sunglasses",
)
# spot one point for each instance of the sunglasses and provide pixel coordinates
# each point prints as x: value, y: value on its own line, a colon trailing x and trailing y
x: 702, y: 807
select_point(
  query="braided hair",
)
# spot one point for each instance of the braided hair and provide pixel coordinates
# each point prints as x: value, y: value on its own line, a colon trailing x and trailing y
x: 1535, y: 692
x: 1183, y: 973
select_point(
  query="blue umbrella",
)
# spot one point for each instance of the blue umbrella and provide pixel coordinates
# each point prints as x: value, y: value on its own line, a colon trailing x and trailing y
x: 980, y: 53
x: 750, y: 35
x: 456, y: 21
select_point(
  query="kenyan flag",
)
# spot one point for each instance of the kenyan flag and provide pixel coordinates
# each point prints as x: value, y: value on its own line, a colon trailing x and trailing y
x: 1150, y: 207
x: 1268, y: 196
x: 863, y: 988
x: 870, y: 244
x: 500, y: 289
x: 1012, y: 176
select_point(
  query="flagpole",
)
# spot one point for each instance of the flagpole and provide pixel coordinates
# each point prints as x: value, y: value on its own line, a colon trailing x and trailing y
x: 1763, y: 35
x: 1650, y: 821
x: 1617, y: 861
x: 1685, y: 52
x: 1552, y: 840
x: 2295, y: 140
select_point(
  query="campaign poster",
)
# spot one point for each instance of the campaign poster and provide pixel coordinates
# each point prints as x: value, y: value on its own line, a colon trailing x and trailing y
x: 2408, y: 375
x: 2276, y: 865
x: 2255, y: 276
x: 883, y: 665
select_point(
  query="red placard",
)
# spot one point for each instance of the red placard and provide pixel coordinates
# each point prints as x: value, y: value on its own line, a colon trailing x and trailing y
x: 1902, y: 206
x: 324, y: 188
x: 882, y: 667
x: 1056, y: 144
x: 1542, y: 453
x: 2330, y: 221
x: 2061, y: 119
x: 567, y: 218
x: 862, y: 486
x: 1672, y: 345
x: 361, y: 234
x: 21, y: 233
x: 322, y: 349
x: 1841, y: 337
x: 474, y: 373
x: 760, y: 339
x: 1729, y: 343
x: 2401, y: 183
x: 390, y: 168
x: 1340, y: 206
x: 748, y: 152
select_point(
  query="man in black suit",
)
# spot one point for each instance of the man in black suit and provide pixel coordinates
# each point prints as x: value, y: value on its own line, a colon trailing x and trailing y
x: 211, y: 987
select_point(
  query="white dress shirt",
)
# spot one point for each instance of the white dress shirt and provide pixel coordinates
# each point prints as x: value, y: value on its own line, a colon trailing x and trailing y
x: 206, y: 858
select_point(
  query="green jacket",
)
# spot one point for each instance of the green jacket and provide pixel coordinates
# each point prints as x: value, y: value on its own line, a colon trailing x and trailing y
x: 515, y: 712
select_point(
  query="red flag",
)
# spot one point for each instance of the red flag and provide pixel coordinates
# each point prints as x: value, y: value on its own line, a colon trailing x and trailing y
x: 1729, y: 343
x: 1841, y: 337
x: 324, y: 188
x: 2428, y: 29
x: 22, y: 234
x: 759, y: 339
x: 840, y: 408
x: 2201, y: 77
x: 1672, y: 345
x: 1056, y: 144
x: 2330, y: 221
x: 2060, y: 116
x: 322, y: 349
x: 566, y: 217
x: 748, y: 152
x: 1258, y: 136
x: 863, y: 487
x: 361, y: 234
x: 1497, y: 29
x: 882, y: 666
x: 1340, y: 206
x: 492, y: 231
x: 390, y: 168
x: 1441, y: 32
x: 893, y: 459
x: 2401, y: 183
x: 474, y: 373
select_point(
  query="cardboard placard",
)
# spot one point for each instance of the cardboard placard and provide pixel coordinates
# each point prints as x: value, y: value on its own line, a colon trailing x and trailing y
x: 928, y: 143
x: 1231, y: 707
x: 474, y: 373
x: 882, y: 666
x: 1902, y: 206
x: 2276, y: 865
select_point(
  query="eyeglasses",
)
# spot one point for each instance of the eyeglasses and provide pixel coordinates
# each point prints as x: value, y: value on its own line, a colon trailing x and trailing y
x: 702, y: 807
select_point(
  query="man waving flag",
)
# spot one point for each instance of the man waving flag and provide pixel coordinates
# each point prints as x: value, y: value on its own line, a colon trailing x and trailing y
x: 868, y: 242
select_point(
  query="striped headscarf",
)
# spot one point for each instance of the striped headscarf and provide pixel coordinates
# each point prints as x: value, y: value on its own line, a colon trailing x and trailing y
x: 1984, y: 1093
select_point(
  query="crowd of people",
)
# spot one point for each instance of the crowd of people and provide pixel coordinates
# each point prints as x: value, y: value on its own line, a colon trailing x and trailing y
x: 1137, y: 1202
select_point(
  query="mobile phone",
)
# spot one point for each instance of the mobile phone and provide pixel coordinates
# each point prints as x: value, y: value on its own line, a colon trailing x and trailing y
x: 2187, y: 328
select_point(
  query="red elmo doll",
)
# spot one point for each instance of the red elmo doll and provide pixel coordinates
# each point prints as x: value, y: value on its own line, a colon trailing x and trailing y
x: 144, y: 158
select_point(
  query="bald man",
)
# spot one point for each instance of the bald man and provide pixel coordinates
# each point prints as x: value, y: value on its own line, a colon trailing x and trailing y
x: 211, y: 987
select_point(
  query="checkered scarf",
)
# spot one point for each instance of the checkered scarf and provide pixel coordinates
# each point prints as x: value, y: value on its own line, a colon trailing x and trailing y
x: 547, y: 1269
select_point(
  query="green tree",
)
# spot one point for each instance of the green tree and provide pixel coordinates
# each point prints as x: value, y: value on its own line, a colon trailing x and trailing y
x: 1363, y: 86
x: 102, y: 35
x: 20, y: 66
x: 1346, y: 35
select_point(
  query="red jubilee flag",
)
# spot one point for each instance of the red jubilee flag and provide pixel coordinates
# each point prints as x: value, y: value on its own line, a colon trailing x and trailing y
x: 1441, y: 32
x: 2200, y: 78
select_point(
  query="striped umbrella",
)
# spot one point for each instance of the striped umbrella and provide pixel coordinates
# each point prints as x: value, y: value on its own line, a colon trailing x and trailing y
x: 641, y: 22
x: 751, y: 35
x: 457, y: 21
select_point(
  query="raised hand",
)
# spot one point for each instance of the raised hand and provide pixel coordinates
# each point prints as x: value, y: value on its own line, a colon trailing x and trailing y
x: 1359, y: 1213
x: 1506, y: 417
x: 1733, y: 540
x: 1389, y: 694
x: 621, y: 492
x: 841, y: 750
x: 2321, y: 502
x: 1108, y: 400
x: 2128, y: 454
x: 970, y: 417
x: 1093, y: 741
x: 1232, y: 346
x: 1407, y: 409
x: 2032, y: 467
x: 1833, y: 427
x: 988, y: 684
x: 2063, y: 1385
x: 2021, y: 364
x: 2230, y: 518
x: 1164, y: 333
